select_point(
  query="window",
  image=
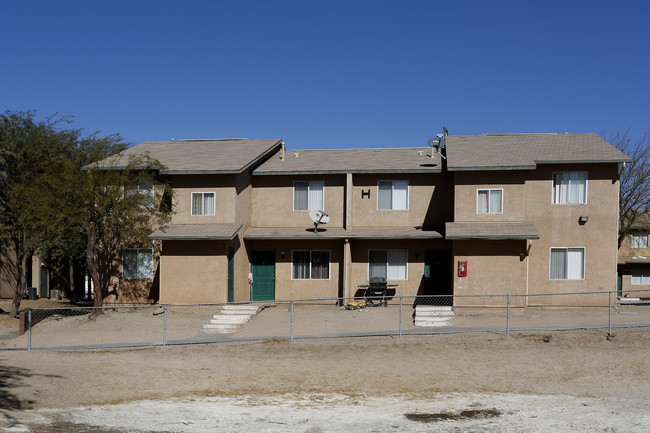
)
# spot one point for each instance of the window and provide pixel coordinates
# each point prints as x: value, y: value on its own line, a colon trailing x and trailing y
x: 311, y: 265
x: 641, y: 277
x: 489, y: 201
x: 137, y: 263
x: 202, y: 203
x: 308, y: 195
x: 393, y: 195
x: 640, y: 240
x: 570, y: 187
x: 144, y: 189
x: 567, y: 263
x: 390, y: 264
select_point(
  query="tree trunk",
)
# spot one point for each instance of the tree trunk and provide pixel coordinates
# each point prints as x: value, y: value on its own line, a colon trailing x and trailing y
x: 72, y: 294
x: 91, y: 246
x: 21, y: 276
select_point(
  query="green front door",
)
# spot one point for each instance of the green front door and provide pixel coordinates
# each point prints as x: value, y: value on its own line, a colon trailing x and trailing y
x: 263, y: 270
x: 231, y: 274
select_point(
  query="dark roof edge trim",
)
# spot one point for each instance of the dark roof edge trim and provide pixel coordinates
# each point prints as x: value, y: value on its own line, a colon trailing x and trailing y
x: 584, y: 161
x: 195, y: 238
x: 493, y: 238
x: 493, y: 168
x: 307, y: 172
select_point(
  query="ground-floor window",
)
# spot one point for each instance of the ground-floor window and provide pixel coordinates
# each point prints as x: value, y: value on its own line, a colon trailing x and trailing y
x: 310, y: 265
x: 567, y: 263
x: 641, y: 276
x: 137, y: 263
x: 390, y: 264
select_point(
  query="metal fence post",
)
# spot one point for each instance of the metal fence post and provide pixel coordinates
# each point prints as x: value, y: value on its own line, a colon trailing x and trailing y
x: 29, y: 329
x: 291, y: 329
x: 165, y: 326
x: 609, y: 320
x: 401, y: 301
x: 508, y: 314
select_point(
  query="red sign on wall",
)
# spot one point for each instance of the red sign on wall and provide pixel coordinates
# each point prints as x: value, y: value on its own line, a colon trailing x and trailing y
x: 462, y: 268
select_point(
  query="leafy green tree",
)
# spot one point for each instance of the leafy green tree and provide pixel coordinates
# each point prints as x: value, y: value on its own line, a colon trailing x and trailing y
x: 61, y: 200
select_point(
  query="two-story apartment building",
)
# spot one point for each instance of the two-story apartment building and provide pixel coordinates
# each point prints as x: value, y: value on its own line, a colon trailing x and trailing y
x: 518, y: 214
x: 634, y: 260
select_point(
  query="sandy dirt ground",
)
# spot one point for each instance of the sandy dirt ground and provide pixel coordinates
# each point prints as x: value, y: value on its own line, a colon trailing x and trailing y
x: 563, y: 381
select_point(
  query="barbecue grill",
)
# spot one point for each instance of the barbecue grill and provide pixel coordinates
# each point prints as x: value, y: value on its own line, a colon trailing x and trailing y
x: 376, y: 292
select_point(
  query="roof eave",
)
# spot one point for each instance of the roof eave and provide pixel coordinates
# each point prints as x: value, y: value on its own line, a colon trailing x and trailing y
x: 323, y: 172
x: 493, y: 168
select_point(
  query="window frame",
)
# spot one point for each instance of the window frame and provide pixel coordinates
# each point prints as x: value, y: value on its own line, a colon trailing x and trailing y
x: 566, y: 261
x: 644, y: 277
x: 392, y: 195
x: 329, y: 265
x: 554, y: 192
x: 203, y: 193
x: 137, y: 272
x: 406, y: 263
x: 489, y: 191
x: 635, y: 238
x: 309, y: 183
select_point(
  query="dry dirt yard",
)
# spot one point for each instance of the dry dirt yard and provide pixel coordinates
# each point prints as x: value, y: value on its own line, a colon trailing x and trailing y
x: 565, y: 382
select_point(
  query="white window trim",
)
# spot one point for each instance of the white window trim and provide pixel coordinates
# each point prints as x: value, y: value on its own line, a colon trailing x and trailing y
x: 640, y: 236
x: 329, y: 266
x: 488, y: 190
x: 153, y: 271
x: 406, y: 271
x: 214, y: 204
x: 586, y: 188
x: 584, y: 263
x: 408, y: 194
x: 293, y: 197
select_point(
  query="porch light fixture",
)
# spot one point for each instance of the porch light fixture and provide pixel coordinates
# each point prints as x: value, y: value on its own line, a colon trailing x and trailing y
x: 583, y: 219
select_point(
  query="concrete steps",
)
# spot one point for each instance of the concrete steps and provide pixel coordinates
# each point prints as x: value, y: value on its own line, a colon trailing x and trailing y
x: 430, y: 316
x: 230, y: 319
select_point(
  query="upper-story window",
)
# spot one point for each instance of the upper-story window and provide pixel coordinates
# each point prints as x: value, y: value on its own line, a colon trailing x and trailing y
x: 489, y: 201
x: 639, y: 240
x: 144, y: 189
x: 308, y: 195
x: 137, y: 263
x: 570, y: 187
x: 393, y: 195
x: 202, y: 203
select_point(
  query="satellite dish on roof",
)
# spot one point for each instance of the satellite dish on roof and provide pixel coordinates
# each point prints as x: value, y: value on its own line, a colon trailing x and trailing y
x: 438, y: 143
x: 318, y: 217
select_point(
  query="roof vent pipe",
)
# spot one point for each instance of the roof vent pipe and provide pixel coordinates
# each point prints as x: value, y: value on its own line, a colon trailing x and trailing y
x: 282, y: 152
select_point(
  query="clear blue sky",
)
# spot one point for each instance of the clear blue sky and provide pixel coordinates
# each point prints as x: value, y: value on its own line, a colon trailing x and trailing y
x: 329, y: 74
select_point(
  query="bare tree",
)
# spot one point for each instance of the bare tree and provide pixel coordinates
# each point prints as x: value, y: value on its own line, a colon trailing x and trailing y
x: 634, y: 205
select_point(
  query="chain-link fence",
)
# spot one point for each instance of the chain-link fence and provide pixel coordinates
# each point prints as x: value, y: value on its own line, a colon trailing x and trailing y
x: 81, y: 328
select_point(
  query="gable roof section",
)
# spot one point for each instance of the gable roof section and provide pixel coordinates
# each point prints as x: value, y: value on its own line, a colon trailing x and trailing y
x: 225, y: 156
x: 526, y: 151
x: 339, y: 161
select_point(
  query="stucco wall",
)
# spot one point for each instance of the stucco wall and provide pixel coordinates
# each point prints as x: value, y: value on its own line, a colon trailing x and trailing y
x: 272, y: 201
x: 558, y: 226
x: 493, y: 267
x: 224, y: 193
x: 468, y: 183
x: 193, y: 272
x: 430, y: 201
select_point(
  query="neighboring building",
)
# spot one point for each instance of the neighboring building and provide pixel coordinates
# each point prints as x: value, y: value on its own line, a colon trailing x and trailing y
x: 517, y: 214
x: 634, y: 260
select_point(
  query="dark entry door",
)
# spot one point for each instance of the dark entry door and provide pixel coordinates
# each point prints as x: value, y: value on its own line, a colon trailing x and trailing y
x: 44, y: 282
x: 437, y: 276
x: 231, y: 274
x: 263, y: 270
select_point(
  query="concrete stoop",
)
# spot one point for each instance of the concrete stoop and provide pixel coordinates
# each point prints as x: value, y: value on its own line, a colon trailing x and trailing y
x: 230, y: 319
x: 429, y: 316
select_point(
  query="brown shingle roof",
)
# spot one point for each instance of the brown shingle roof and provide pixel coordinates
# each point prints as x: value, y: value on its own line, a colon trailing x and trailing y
x: 491, y: 230
x: 196, y: 232
x: 525, y: 151
x: 199, y: 156
x: 405, y: 160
